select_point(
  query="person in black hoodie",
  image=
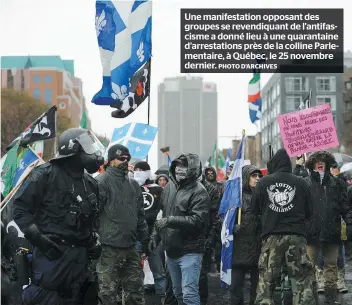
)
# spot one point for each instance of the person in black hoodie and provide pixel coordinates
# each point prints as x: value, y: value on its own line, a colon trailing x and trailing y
x: 186, y: 206
x: 151, y: 194
x: 299, y: 169
x: 283, y: 202
x: 246, y: 242
x: 329, y: 199
x: 162, y: 180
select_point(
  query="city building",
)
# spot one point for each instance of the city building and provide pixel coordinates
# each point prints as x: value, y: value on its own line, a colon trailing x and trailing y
x: 253, y: 150
x: 49, y: 79
x: 347, y: 118
x: 187, y: 117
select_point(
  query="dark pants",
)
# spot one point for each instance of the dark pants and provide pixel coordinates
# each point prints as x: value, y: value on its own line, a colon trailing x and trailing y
x: 59, y: 281
x: 238, y: 281
x: 203, y: 283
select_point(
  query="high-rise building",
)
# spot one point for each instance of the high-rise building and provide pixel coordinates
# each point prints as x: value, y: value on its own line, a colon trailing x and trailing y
x: 49, y: 79
x: 187, y: 117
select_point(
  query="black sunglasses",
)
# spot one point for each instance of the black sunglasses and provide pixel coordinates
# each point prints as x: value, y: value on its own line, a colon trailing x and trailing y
x: 123, y: 159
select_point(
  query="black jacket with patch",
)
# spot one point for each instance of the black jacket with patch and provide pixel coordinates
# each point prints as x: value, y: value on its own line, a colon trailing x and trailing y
x: 329, y: 200
x: 151, y: 196
x: 189, y: 204
x: 282, y: 199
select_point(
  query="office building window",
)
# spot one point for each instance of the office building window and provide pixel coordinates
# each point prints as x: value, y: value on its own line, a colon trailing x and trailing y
x: 278, y: 89
x: 48, y: 96
x: 292, y: 103
x: 264, y: 103
x: 327, y: 99
x: 48, y: 79
x: 278, y: 107
x: 36, y: 79
x: 9, y: 79
x: 348, y: 85
x: 36, y: 94
x: 22, y: 80
x: 326, y: 84
x: 294, y: 84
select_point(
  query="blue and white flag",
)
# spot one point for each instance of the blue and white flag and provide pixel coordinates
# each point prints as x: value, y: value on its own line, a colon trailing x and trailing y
x: 228, y: 211
x: 137, y: 137
x: 124, y: 32
x: 25, y: 163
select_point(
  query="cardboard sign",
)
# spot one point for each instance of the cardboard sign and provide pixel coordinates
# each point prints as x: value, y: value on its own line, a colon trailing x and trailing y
x: 308, y: 130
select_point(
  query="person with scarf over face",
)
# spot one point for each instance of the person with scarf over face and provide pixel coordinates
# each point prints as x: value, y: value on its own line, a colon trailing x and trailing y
x: 151, y: 194
x: 186, y: 207
x: 283, y: 202
x: 123, y: 223
x: 246, y: 242
x: 330, y: 202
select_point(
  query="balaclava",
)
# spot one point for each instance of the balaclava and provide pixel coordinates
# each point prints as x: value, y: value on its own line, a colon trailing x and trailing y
x: 144, y: 174
x: 181, y: 171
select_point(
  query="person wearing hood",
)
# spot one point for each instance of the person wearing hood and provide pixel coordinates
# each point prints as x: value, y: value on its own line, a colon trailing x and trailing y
x: 210, y: 176
x: 151, y: 194
x: 246, y: 241
x: 162, y: 180
x: 185, y: 205
x: 123, y: 223
x: 229, y: 171
x: 57, y: 209
x: 330, y: 203
x: 283, y: 202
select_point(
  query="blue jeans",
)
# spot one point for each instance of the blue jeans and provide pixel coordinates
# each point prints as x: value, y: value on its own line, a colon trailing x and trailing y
x: 155, y: 261
x: 341, y: 259
x: 185, y: 272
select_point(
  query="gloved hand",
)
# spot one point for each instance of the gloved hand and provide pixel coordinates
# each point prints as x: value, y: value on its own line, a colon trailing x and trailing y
x: 152, y: 245
x: 50, y: 249
x: 237, y: 228
x: 161, y: 224
x: 94, y: 247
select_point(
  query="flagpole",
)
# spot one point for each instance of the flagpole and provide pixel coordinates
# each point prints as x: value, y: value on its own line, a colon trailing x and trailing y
x: 239, y: 216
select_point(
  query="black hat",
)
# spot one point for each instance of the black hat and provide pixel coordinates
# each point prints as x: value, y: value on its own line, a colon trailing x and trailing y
x: 116, y: 151
x: 144, y: 166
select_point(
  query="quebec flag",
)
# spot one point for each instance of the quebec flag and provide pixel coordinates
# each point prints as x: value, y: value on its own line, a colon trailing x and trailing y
x: 137, y: 137
x: 124, y: 32
x: 25, y: 163
x: 228, y: 211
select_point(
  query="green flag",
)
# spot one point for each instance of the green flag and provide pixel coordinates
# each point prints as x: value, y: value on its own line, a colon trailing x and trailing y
x: 84, y: 120
x: 221, y: 159
x: 8, y: 170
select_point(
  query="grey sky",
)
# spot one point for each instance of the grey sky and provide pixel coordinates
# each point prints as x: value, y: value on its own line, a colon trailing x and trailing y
x: 67, y: 28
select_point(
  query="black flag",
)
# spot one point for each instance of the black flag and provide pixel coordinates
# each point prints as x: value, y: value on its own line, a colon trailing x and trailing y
x: 139, y: 91
x: 42, y: 128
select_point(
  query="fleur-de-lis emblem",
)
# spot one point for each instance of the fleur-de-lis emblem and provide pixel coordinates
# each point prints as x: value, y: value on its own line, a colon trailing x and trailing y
x: 100, y: 22
x: 119, y: 93
x: 21, y: 164
x: 140, y: 52
x: 137, y: 148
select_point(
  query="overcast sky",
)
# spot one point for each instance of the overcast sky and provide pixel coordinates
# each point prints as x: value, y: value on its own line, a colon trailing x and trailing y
x: 67, y: 28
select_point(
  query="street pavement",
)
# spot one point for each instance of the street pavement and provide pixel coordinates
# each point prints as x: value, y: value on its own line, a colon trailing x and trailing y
x: 218, y: 295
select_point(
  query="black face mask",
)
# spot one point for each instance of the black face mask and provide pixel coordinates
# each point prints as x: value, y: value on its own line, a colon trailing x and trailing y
x: 124, y: 167
x: 91, y: 162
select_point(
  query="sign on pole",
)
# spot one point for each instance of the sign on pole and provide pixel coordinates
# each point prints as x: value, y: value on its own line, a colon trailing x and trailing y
x: 308, y: 130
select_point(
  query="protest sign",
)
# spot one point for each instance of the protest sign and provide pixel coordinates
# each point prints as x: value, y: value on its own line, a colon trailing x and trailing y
x: 308, y: 130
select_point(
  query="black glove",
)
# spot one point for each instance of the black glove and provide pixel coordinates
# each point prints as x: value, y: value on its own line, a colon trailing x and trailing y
x: 152, y: 245
x: 50, y: 249
x: 161, y: 224
x: 94, y: 247
x: 237, y: 228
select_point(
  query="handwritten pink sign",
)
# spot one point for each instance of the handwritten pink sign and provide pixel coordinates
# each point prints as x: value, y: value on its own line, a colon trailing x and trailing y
x: 308, y: 130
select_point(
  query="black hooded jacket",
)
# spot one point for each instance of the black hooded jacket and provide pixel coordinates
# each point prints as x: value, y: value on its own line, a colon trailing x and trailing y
x: 247, y: 239
x: 217, y: 184
x: 282, y: 199
x: 161, y: 176
x: 189, y: 204
x: 329, y: 200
